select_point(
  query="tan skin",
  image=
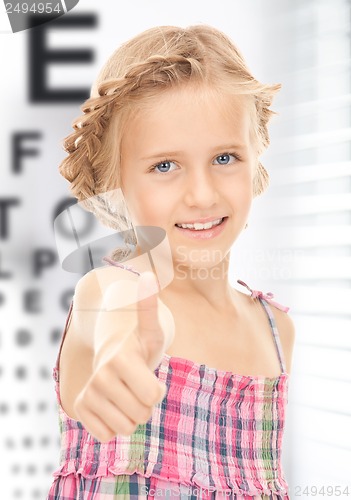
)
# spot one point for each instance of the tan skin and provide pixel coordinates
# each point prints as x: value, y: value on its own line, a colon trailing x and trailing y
x: 250, y: 345
x: 215, y: 324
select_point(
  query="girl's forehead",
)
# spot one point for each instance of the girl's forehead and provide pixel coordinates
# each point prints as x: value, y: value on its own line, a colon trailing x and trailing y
x: 199, y: 99
x: 201, y: 95
x: 185, y: 118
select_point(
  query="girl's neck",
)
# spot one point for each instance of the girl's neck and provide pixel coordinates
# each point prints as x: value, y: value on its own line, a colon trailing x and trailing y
x: 208, y: 285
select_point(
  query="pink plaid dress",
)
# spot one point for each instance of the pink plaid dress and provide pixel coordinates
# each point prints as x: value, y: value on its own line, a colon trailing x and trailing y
x: 216, y: 434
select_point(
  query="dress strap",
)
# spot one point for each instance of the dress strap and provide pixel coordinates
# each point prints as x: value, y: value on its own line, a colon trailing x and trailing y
x: 118, y: 264
x: 68, y: 321
x: 266, y: 296
x: 266, y: 299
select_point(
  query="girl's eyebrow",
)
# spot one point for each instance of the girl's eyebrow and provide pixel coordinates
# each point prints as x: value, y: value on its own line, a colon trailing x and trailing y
x: 165, y: 154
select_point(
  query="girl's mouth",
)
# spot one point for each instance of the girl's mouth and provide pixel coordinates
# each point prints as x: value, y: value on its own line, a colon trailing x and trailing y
x: 203, y: 231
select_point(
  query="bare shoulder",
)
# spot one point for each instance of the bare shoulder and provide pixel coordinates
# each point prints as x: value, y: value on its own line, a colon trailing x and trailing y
x: 86, y: 301
x: 91, y: 287
x: 88, y: 297
x: 287, y: 333
x: 87, y: 290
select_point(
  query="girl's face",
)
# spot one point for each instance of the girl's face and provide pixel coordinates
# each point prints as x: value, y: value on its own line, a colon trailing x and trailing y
x: 186, y: 160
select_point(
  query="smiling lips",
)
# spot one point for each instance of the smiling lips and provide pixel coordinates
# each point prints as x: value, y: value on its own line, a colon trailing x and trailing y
x: 203, y: 230
x: 201, y: 225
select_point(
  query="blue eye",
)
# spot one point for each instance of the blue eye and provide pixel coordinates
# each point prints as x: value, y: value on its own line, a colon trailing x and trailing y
x: 224, y: 159
x: 163, y: 166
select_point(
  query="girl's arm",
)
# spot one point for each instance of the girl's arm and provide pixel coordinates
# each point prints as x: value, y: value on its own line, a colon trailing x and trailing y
x: 126, y: 345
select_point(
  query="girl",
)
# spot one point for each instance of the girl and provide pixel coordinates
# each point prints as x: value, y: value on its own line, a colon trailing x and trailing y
x: 177, y: 390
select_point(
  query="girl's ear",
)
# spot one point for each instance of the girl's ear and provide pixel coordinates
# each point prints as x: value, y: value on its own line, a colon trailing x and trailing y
x: 260, y: 180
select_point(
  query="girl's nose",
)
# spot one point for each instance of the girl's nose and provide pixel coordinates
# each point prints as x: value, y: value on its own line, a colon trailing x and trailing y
x: 200, y: 188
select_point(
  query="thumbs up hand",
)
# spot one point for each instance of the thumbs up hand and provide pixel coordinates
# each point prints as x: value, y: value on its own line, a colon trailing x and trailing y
x: 122, y: 390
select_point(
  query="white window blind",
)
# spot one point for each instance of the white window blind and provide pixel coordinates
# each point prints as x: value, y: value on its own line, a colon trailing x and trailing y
x: 313, y: 171
x: 299, y: 234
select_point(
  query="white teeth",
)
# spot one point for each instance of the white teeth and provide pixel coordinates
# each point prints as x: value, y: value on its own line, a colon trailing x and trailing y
x: 198, y: 226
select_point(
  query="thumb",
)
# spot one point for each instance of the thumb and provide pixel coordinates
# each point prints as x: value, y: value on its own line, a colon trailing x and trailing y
x: 149, y: 330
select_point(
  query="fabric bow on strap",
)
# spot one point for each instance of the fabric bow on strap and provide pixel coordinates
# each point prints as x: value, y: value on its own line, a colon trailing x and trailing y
x: 266, y: 296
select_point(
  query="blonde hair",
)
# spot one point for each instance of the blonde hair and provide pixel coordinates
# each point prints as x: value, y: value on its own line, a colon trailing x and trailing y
x: 154, y: 61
